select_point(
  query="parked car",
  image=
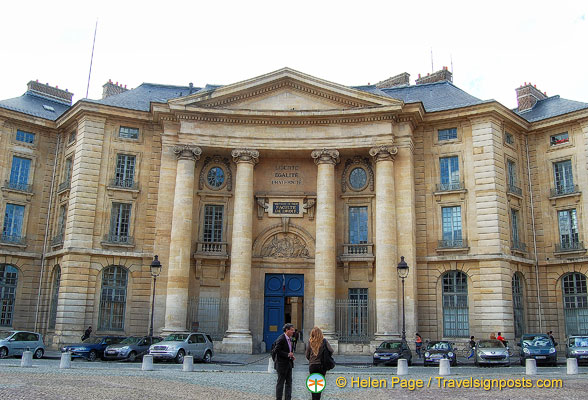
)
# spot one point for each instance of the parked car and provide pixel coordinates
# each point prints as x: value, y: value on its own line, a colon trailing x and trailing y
x: 178, y: 345
x: 577, y: 347
x: 130, y: 348
x: 390, y: 351
x: 438, y: 350
x: 491, y: 351
x: 538, y: 346
x: 91, y: 348
x: 14, y: 343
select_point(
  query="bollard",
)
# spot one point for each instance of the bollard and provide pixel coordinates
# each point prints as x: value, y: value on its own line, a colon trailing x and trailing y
x: 402, y: 368
x: 572, y: 366
x: 65, y: 362
x: 531, y: 366
x: 147, y: 363
x: 27, y: 359
x: 262, y: 347
x: 444, y: 367
x: 270, y: 366
x: 188, y: 364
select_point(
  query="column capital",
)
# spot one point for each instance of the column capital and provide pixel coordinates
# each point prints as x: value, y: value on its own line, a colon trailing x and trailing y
x: 384, y: 153
x: 245, y: 155
x: 325, y: 156
x: 187, y: 152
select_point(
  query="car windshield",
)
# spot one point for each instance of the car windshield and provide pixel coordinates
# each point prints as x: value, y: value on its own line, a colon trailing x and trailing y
x: 6, y: 335
x: 176, y: 337
x: 131, y: 340
x: 537, y: 341
x: 438, y: 346
x: 579, y: 341
x: 489, y: 344
x: 390, y: 345
x: 93, y: 340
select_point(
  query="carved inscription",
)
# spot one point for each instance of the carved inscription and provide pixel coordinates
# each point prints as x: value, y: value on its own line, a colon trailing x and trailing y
x: 286, y: 207
x: 287, y: 175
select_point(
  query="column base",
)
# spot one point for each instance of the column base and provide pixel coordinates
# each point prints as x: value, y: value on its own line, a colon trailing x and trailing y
x: 237, y: 342
x: 333, y: 341
x: 170, y: 329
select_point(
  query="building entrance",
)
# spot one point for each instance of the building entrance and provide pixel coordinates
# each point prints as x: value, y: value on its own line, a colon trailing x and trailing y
x: 283, y: 303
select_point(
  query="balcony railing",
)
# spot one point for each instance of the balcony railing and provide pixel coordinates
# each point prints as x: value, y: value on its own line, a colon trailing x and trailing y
x: 118, y: 239
x: 563, y: 190
x: 57, y: 239
x: 569, y: 246
x: 124, y: 183
x: 63, y: 186
x: 453, y: 244
x: 22, y: 187
x: 518, y: 246
x: 13, y: 239
x: 211, y: 247
x: 512, y: 188
x: 446, y: 187
x: 360, y: 249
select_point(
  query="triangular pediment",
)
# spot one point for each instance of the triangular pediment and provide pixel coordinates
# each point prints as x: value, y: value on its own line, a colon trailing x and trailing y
x: 283, y: 90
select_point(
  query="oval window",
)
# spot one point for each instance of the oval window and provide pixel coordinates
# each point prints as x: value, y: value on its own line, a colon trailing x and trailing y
x: 215, y: 177
x: 358, y: 178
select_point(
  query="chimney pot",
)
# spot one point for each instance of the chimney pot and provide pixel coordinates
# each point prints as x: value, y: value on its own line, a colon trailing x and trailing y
x: 50, y: 92
x: 442, y: 75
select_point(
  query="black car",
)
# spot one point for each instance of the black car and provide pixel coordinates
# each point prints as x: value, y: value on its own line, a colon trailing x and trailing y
x: 538, y: 346
x: 437, y: 351
x: 390, y: 351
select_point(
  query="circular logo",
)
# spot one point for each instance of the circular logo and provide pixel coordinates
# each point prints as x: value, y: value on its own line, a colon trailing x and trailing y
x: 315, y: 383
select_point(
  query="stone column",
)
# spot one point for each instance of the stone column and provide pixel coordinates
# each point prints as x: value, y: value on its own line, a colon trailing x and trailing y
x: 238, y: 336
x: 325, y: 261
x: 176, y: 304
x: 386, y: 257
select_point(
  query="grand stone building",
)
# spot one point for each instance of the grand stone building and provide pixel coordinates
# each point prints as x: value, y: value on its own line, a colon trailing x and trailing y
x: 291, y: 198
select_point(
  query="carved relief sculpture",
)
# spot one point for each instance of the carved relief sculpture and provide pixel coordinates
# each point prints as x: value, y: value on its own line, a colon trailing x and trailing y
x: 384, y: 153
x: 285, y: 245
x: 322, y: 156
x: 184, y: 152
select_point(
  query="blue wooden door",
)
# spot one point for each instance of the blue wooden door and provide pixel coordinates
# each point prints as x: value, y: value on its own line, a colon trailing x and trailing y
x: 277, y: 288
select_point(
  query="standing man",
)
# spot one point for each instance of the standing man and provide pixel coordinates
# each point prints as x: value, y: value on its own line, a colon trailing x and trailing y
x: 284, y: 362
x: 87, y: 333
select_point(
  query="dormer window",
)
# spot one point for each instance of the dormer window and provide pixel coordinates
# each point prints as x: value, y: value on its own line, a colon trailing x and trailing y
x: 559, y: 139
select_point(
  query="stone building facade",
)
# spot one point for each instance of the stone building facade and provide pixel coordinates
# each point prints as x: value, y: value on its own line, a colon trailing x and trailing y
x: 288, y: 198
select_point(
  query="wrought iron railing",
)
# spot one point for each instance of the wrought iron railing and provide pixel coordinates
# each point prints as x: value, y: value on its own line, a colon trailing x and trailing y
x: 355, y: 320
x: 445, y: 187
x: 569, y: 246
x: 350, y: 249
x: 563, y: 190
x: 211, y: 247
x: 453, y: 244
x: 518, y: 246
x: 63, y: 186
x: 22, y: 187
x: 13, y: 239
x: 512, y: 188
x: 209, y: 315
x: 124, y: 183
x: 118, y: 239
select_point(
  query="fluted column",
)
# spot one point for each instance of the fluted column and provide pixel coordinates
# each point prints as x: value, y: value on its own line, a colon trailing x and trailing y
x: 386, y: 251
x: 176, y: 304
x: 325, y: 263
x: 238, y: 336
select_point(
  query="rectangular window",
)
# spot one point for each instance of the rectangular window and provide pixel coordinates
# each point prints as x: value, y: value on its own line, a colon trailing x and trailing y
x: 126, y: 132
x: 213, y: 223
x: 13, y: 223
x: 25, y: 137
x: 564, y: 179
x: 447, y: 134
x: 72, y: 137
x: 568, y: 229
x: 559, y: 139
x: 512, y: 173
x: 125, y: 171
x: 509, y: 138
x: 62, y: 219
x: 358, y: 312
x: 449, y: 168
x: 451, y: 223
x: 120, y: 223
x: 514, y: 220
x: 358, y: 225
x: 19, y: 173
x: 68, y: 169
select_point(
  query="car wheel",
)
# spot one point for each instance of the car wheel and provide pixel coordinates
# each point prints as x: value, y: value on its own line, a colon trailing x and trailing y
x: 3, y: 352
x: 522, y: 362
x: 132, y: 356
x: 92, y: 355
x: 207, y: 357
x: 410, y: 362
x: 454, y: 363
x: 180, y: 356
x: 38, y: 353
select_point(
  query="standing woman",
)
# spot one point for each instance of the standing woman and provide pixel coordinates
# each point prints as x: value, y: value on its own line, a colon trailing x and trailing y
x: 418, y: 344
x: 317, y: 344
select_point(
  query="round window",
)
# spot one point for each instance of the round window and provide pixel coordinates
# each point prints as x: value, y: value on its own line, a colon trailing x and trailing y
x: 358, y: 178
x: 215, y: 177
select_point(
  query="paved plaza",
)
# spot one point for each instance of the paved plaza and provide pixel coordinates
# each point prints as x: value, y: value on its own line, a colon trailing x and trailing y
x: 246, y: 377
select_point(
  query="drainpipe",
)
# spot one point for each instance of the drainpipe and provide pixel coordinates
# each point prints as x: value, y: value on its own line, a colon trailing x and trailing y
x: 46, y: 239
x: 539, y: 310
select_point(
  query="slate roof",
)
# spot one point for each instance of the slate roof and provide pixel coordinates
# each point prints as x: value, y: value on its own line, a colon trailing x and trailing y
x: 551, y: 107
x: 32, y: 104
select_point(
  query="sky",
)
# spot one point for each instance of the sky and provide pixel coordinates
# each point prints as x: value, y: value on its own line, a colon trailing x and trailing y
x: 492, y: 47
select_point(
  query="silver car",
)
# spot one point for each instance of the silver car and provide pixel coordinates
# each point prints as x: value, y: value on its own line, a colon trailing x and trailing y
x: 491, y: 351
x: 178, y: 345
x: 577, y: 347
x: 14, y: 343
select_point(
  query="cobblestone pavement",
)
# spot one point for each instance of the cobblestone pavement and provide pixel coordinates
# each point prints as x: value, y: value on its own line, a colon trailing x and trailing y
x: 100, y: 380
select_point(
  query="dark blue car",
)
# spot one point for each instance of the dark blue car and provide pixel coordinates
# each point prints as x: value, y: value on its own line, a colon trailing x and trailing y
x: 538, y: 346
x: 91, y: 348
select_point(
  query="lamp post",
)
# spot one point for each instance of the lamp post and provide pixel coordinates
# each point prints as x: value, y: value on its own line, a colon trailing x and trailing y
x: 155, y: 271
x: 402, y: 274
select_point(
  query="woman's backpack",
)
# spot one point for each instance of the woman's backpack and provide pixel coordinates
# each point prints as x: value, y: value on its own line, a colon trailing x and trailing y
x: 327, y: 358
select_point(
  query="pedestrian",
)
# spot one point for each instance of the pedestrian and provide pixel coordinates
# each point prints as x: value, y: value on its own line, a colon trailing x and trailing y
x: 550, y: 334
x: 501, y: 338
x: 418, y: 344
x: 492, y: 336
x: 284, y: 362
x: 472, y: 347
x: 87, y: 333
x: 317, y: 344
x: 295, y: 339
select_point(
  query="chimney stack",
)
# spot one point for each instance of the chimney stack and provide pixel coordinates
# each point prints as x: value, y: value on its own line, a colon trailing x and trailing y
x: 50, y: 92
x: 528, y: 95
x: 402, y: 79
x: 439, y: 76
x: 110, y: 89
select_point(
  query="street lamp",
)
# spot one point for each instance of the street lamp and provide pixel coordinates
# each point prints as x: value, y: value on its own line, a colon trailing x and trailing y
x: 402, y: 274
x: 155, y: 271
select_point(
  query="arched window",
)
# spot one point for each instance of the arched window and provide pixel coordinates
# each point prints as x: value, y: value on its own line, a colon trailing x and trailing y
x: 113, y: 299
x: 517, y: 305
x: 8, y: 281
x: 455, y: 305
x: 575, y: 299
x: 54, y: 296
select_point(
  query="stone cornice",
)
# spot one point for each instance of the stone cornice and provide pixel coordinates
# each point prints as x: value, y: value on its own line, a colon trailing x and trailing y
x: 384, y: 153
x: 187, y: 152
x: 245, y: 156
x: 325, y: 156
